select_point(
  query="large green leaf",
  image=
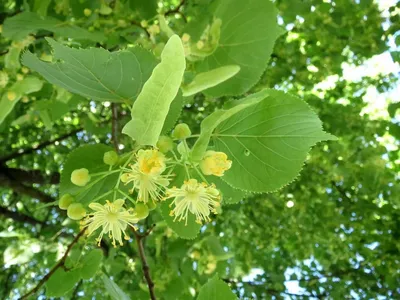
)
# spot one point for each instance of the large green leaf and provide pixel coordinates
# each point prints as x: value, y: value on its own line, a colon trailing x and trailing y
x: 216, y: 289
x: 91, y: 158
x: 268, y: 142
x: 230, y: 195
x: 206, y: 80
x: 248, y: 34
x: 28, y: 85
x: 96, y: 73
x: 152, y: 105
x: 189, y: 231
x: 61, y: 282
x: 21, y: 25
x: 212, y: 121
x: 91, y: 263
x: 113, y: 289
x: 174, y: 112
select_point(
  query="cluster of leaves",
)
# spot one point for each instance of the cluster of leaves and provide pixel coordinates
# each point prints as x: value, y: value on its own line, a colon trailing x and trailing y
x: 344, y: 215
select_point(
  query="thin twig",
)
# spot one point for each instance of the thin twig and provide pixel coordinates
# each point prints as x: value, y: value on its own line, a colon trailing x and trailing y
x: 114, y: 124
x: 145, y: 267
x: 61, y: 263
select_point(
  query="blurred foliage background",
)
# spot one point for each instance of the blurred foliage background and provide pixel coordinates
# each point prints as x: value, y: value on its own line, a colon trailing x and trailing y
x: 334, y: 233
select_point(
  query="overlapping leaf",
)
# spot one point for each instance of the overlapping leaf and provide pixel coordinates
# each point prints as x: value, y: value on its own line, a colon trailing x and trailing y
x: 248, y: 34
x: 216, y: 289
x: 268, y: 142
x: 19, y: 26
x: 152, y: 105
x: 96, y: 73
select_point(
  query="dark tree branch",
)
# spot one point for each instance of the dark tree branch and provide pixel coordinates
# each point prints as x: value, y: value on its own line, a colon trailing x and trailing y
x: 7, y: 181
x: 16, y: 216
x: 114, y: 128
x: 145, y: 267
x: 60, y: 264
x: 176, y: 10
x: 32, y: 176
x: 21, y: 152
x: 76, y: 289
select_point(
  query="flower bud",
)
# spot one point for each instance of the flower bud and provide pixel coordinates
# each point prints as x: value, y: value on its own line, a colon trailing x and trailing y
x: 11, y: 95
x: 200, y: 45
x: 76, y: 211
x: 142, y: 211
x: 181, y: 131
x: 124, y: 177
x: 25, y: 70
x: 65, y: 201
x: 110, y: 158
x: 87, y: 12
x: 215, y: 163
x: 80, y: 177
x: 185, y: 38
x: 165, y: 144
x: 20, y: 77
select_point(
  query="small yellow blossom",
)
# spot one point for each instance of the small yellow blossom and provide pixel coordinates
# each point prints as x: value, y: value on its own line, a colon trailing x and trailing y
x: 154, y: 29
x: 112, y: 218
x: 185, y: 38
x: 215, y: 163
x: 146, y: 175
x: 196, y: 198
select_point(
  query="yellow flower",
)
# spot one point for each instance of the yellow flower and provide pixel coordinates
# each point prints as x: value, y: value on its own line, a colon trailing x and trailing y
x: 151, y: 161
x: 196, y: 198
x: 215, y: 163
x: 112, y: 218
x: 146, y: 175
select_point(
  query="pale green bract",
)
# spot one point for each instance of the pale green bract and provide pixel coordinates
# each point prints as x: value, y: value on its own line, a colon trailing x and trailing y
x: 215, y: 288
x: 21, y: 25
x: 248, y: 34
x: 113, y: 289
x: 203, y: 81
x: 212, y: 121
x: 152, y: 105
x: 28, y: 85
x: 96, y: 73
x: 268, y: 142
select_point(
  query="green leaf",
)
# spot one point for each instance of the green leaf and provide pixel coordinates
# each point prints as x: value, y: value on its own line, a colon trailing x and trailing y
x: 174, y: 112
x: 206, y: 80
x: 230, y: 195
x: 91, y: 158
x: 268, y: 142
x: 189, y: 231
x: 212, y: 121
x: 28, y: 85
x: 11, y: 59
x: 247, y: 39
x: 61, y: 282
x: 216, y: 289
x: 96, y: 73
x: 113, y: 289
x: 216, y: 248
x: 152, y: 105
x: 91, y: 263
x: 19, y: 26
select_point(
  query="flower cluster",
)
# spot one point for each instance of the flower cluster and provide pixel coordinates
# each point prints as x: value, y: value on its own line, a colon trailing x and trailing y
x: 148, y: 175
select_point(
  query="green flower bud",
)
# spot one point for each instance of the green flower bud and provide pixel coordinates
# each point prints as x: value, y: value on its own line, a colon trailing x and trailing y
x: 181, y: 131
x: 80, y: 177
x: 165, y: 144
x: 11, y: 95
x: 87, y: 12
x: 142, y: 211
x: 65, y: 201
x: 76, y: 211
x: 151, y: 205
x: 110, y: 158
